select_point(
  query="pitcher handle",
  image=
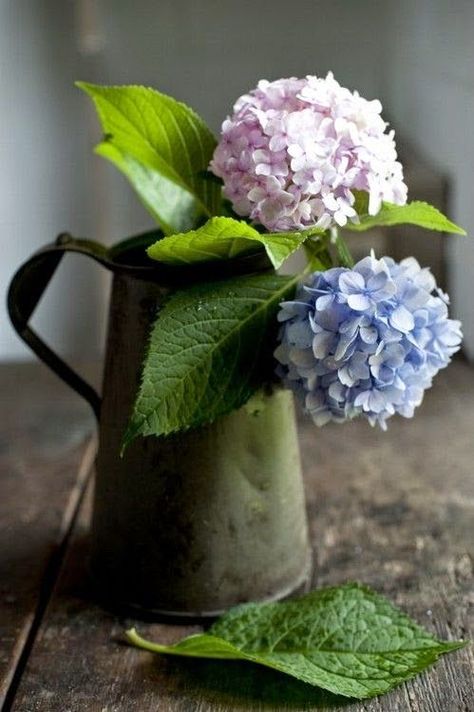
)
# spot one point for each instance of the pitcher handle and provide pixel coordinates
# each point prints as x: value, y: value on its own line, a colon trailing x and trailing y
x: 25, y: 291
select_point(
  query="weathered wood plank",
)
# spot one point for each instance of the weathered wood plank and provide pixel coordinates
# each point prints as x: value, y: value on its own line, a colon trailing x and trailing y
x: 394, y: 510
x: 42, y: 444
x: 399, y: 515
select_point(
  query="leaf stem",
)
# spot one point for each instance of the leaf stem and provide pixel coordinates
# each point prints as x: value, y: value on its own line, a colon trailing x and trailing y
x: 135, y: 639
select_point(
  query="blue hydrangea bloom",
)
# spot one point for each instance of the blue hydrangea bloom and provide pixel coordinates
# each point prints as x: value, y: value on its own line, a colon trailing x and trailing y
x: 365, y: 341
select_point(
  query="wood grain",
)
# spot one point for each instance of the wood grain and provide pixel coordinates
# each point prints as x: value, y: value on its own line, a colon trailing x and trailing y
x: 394, y: 510
x: 42, y: 445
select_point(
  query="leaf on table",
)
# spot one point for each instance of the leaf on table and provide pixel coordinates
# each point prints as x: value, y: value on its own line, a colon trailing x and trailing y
x: 210, y: 348
x: 347, y: 639
x: 163, y: 147
x: 414, y: 213
x: 223, y: 238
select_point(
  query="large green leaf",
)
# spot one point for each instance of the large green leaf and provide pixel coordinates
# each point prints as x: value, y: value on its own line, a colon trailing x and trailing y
x: 223, y: 238
x: 210, y: 349
x: 164, y: 149
x: 345, y: 639
x: 171, y: 206
x: 414, y: 213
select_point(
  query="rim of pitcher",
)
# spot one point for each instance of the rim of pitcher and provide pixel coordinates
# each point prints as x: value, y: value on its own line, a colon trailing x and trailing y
x: 128, y: 256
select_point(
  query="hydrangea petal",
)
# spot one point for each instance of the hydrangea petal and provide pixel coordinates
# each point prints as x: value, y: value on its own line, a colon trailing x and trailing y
x: 402, y: 319
x: 359, y: 302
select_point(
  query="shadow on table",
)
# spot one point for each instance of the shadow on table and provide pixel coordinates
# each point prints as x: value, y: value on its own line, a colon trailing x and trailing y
x: 244, y: 686
x: 239, y: 685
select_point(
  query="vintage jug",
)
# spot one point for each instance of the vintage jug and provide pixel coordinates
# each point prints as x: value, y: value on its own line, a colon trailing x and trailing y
x: 190, y: 524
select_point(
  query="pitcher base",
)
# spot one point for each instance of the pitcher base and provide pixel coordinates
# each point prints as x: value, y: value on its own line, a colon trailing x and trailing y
x: 299, y: 586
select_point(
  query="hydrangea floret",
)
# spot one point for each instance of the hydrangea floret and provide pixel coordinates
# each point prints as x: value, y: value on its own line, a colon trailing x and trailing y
x: 294, y: 150
x: 365, y: 341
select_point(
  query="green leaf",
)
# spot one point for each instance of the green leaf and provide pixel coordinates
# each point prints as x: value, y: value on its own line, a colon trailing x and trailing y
x: 163, y: 147
x: 346, y: 639
x: 223, y: 238
x: 210, y: 349
x: 220, y: 238
x: 171, y: 206
x: 414, y: 213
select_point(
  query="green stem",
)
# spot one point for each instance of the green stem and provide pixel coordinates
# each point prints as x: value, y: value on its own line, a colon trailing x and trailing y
x: 317, y: 253
x: 343, y: 252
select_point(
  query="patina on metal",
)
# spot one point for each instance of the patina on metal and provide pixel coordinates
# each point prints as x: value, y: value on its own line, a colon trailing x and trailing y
x: 190, y: 524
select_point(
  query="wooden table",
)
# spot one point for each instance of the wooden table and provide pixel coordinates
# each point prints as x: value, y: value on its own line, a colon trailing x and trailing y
x: 394, y: 510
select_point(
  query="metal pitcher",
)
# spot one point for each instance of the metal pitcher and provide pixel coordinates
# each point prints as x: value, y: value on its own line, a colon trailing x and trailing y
x: 190, y: 524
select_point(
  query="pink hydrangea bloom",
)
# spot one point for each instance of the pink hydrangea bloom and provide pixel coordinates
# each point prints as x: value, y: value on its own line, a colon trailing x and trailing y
x: 295, y: 149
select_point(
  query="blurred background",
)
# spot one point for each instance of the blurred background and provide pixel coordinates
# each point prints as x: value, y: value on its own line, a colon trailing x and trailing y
x: 417, y: 56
